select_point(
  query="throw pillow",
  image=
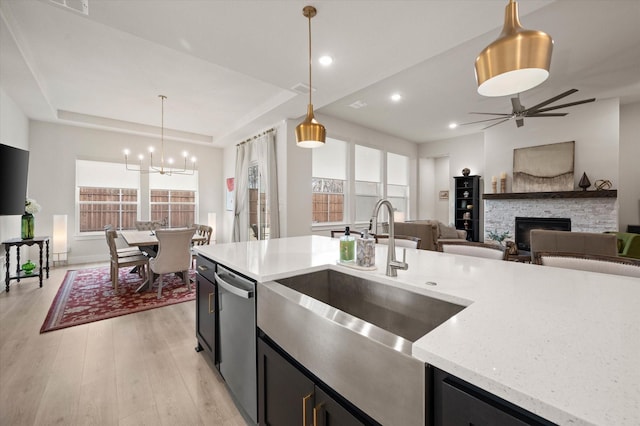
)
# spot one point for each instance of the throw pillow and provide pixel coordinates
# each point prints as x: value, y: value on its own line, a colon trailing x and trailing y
x: 447, y: 231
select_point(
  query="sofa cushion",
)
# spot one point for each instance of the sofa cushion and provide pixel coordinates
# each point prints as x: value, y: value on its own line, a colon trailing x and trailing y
x: 447, y: 231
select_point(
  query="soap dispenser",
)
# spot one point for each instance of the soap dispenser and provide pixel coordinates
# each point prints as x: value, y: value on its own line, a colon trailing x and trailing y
x: 347, y: 247
x: 366, y: 250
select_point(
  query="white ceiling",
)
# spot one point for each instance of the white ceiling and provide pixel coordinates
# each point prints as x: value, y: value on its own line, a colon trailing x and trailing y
x: 228, y: 67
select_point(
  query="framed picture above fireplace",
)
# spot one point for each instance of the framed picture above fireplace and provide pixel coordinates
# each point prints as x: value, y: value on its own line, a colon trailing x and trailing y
x: 544, y: 168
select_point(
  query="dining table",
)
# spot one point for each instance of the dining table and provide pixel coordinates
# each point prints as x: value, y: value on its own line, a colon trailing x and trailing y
x: 148, y: 238
x: 148, y: 242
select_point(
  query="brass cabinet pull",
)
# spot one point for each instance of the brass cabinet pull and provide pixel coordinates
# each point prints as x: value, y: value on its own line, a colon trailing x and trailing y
x: 210, y: 310
x: 316, y: 409
x: 304, y: 408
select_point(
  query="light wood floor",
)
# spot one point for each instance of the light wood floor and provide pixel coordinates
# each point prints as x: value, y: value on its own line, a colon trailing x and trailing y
x: 135, y: 369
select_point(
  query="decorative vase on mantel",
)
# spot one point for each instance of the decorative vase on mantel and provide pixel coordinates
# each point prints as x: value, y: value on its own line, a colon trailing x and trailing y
x: 584, y: 182
x: 28, y: 226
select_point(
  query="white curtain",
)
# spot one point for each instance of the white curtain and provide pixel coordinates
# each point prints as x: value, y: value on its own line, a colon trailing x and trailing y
x: 262, y: 149
x: 266, y: 150
x: 243, y: 154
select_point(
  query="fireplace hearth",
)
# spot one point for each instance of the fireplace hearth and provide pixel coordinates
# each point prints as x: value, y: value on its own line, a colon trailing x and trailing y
x: 526, y: 224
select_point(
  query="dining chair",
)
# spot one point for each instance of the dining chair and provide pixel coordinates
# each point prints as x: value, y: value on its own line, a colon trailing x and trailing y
x: 124, y: 251
x: 203, y: 231
x: 471, y: 248
x: 174, y: 255
x: 147, y: 225
x: 400, y: 240
x: 121, y: 261
x: 614, y: 265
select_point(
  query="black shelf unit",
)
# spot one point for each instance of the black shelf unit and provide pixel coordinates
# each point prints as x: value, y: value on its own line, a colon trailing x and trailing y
x: 468, y: 194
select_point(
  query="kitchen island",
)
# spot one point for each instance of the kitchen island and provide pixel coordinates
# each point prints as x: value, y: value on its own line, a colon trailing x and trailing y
x: 561, y: 344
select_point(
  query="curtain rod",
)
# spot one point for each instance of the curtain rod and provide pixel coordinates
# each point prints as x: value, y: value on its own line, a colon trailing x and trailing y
x: 257, y: 136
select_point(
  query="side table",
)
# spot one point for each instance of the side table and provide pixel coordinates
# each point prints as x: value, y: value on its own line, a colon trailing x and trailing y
x: 17, y: 243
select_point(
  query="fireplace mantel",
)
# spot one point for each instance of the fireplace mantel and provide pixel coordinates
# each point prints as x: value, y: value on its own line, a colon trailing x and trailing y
x: 609, y: 193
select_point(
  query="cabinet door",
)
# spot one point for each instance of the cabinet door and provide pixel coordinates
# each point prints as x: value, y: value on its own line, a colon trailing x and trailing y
x: 461, y: 408
x: 328, y: 412
x: 206, y: 315
x: 456, y: 402
x: 285, y: 395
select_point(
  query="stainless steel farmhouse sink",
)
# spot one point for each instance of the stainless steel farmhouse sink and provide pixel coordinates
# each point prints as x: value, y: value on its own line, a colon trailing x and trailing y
x: 355, y: 334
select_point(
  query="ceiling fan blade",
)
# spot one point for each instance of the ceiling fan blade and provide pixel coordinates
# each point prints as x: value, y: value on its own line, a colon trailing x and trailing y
x: 519, y: 122
x: 551, y: 100
x: 482, y: 121
x: 491, y: 113
x: 495, y: 124
x: 565, y: 105
x: 550, y: 114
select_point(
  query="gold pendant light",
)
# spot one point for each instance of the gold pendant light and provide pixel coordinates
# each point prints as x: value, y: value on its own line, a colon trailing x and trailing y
x: 310, y: 133
x: 516, y: 61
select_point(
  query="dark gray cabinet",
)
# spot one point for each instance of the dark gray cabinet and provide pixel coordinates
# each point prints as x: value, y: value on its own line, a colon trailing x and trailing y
x: 206, y: 308
x: 287, y: 395
x: 456, y: 402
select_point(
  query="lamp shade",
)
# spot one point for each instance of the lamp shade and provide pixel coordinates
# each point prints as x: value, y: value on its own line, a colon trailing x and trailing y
x: 60, y: 236
x: 518, y: 60
x: 310, y: 133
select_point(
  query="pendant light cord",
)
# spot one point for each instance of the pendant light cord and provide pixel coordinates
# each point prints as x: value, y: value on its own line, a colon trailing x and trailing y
x: 162, y: 133
x: 310, y: 88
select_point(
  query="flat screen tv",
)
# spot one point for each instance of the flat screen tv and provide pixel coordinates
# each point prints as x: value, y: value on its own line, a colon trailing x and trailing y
x: 14, y: 168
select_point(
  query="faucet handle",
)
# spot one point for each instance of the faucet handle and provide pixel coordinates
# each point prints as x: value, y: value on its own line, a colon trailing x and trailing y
x: 404, y: 255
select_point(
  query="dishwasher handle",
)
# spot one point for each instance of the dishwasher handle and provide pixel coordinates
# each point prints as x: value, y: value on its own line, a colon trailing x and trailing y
x: 246, y: 294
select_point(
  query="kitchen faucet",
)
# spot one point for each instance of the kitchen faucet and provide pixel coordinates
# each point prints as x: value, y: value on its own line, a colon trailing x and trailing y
x: 392, y: 263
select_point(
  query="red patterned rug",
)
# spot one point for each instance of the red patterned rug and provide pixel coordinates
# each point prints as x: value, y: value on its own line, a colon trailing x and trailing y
x: 86, y: 295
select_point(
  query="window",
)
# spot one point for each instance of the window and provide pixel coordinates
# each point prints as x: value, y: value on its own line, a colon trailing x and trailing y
x: 368, y: 182
x: 106, y: 194
x: 328, y: 182
x: 173, y: 199
x: 345, y: 190
x: 398, y: 184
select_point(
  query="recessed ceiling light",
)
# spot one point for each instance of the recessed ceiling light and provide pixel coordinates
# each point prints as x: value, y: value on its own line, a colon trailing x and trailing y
x: 325, y: 60
x: 396, y: 97
x: 453, y: 125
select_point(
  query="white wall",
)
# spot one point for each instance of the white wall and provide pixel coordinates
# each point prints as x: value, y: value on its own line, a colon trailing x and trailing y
x: 607, y: 147
x: 629, y: 176
x: 295, y: 165
x: 464, y: 151
x: 442, y: 179
x: 14, y: 131
x: 54, y: 150
x: 594, y: 128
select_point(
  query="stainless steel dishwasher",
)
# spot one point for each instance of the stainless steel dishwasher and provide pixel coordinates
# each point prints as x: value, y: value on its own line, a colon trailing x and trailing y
x: 237, y: 316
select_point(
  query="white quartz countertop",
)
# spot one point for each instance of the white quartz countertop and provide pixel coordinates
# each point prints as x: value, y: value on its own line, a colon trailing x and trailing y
x: 562, y: 344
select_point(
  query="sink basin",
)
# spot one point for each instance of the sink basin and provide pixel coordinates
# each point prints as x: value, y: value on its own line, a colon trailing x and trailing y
x: 400, y: 312
x: 355, y: 335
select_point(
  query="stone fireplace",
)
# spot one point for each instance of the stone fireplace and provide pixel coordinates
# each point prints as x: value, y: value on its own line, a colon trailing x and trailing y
x: 589, y: 211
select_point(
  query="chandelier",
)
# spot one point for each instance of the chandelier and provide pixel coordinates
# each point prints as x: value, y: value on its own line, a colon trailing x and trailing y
x: 162, y: 168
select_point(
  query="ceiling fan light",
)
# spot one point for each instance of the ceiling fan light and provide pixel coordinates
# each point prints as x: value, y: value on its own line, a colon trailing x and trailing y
x: 310, y: 133
x: 516, y: 61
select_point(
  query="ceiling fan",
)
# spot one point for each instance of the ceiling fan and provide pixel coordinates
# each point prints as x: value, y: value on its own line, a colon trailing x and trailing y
x: 519, y: 112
